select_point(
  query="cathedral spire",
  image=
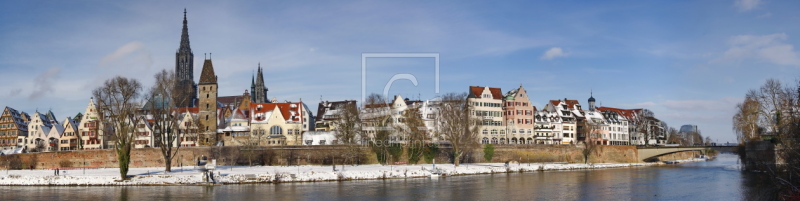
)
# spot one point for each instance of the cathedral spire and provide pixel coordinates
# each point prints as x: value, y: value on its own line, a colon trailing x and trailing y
x: 184, y: 67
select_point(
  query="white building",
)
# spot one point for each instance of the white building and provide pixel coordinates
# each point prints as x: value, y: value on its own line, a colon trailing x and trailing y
x: 487, y: 104
x: 569, y: 112
x: 319, y: 138
x: 547, y: 124
x: 90, y: 129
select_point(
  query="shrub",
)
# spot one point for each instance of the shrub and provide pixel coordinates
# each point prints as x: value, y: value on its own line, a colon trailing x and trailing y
x: 488, y: 152
x: 430, y: 152
x: 414, y: 153
x: 64, y: 163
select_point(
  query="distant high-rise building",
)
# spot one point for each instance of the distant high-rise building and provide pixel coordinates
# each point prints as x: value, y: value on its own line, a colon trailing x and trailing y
x: 184, y: 70
x: 258, y: 89
x: 688, y: 128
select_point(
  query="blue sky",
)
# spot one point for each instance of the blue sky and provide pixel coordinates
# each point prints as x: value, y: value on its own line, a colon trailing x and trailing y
x: 688, y: 61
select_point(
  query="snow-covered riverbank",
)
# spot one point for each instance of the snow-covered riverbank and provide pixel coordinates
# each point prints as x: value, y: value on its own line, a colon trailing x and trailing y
x: 189, y: 175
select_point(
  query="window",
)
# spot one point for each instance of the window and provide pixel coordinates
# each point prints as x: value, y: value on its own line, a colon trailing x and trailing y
x: 276, y: 130
x: 485, y: 141
x: 485, y: 131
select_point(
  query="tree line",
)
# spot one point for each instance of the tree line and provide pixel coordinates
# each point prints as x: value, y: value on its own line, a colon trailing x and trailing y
x: 772, y: 113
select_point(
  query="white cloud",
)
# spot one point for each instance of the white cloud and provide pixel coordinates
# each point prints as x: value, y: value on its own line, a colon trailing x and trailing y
x: 553, y: 53
x: 746, y: 5
x: 127, y: 50
x: 770, y: 48
x: 43, y: 84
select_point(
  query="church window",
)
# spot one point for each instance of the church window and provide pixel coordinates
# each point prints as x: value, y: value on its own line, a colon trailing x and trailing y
x: 206, y: 117
x: 207, y: 95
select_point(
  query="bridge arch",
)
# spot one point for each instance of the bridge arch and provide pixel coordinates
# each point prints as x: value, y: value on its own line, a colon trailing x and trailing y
x: 645, y: 153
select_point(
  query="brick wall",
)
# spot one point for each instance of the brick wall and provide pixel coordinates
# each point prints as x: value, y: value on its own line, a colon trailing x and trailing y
x: 151, y: 157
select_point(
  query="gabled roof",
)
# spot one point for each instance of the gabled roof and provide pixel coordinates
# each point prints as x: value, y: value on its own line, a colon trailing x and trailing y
x: 476, y: 91
x: 570, y: 103
x: 56, y: 131
x: 238, y: 115
x: 629, y: 114
x: 207, y: 76
x: 70, y: 124
x: 17, y: 117
x: 286, y: 110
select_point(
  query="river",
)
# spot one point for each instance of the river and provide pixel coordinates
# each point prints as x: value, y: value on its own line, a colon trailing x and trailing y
x: 719, y: 179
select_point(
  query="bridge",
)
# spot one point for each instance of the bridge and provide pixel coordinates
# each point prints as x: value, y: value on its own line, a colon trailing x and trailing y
x: 646, y: 153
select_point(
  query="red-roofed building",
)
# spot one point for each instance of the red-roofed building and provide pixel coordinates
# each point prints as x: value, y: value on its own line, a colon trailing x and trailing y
x: 279, y: 123
x: 487, y: 104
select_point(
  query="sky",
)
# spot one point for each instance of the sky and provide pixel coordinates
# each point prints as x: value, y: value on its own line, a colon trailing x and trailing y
x: 690, y: 62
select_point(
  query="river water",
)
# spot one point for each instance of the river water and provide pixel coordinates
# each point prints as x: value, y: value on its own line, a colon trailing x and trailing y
x: 720, y: 179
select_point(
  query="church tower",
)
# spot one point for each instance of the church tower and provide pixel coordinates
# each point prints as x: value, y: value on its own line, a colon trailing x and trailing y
x: 184, y: 69
x: 258, y: 88
x: 208, y: 105
x: 591, y: 102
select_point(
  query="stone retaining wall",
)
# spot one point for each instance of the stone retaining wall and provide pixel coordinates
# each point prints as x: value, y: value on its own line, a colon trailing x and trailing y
x: 292, y: 155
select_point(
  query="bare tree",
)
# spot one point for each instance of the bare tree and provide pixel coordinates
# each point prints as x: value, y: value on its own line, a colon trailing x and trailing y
x: 591, y: 142
x: 252, y: 145
x: 117, y: 101
x: 379, y: 125
x: 675, y: 137
x: 745, y: 121
x: 456, y: 125
x: 414, y: 130
x: 161, y: 101
x: 641, y: 123
x: 347, y: 129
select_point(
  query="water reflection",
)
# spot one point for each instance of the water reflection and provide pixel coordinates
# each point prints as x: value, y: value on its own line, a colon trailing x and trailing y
x: 714, y: 180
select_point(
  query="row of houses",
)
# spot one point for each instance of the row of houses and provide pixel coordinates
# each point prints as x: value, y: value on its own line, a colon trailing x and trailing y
x: 268, y: 123
x: 509, y: 118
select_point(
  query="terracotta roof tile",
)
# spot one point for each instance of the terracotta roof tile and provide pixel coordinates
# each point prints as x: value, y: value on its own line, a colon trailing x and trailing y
x: 477, y: 91
x: 285, y: 109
